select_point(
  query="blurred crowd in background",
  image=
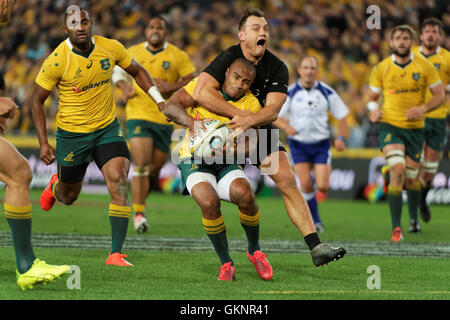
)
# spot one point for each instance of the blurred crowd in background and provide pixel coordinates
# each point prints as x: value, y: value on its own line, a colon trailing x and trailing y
x: 335, y: 31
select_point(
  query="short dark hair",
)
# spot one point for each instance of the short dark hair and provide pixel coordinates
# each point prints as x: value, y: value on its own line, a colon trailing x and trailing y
x: 403, y: 28
x: 431, y: 21
x: 248, y: 13
x: 160, y: 17
x: 247, y: 64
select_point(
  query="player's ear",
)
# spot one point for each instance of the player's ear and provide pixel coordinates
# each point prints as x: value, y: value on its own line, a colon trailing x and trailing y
x: 241, y: 35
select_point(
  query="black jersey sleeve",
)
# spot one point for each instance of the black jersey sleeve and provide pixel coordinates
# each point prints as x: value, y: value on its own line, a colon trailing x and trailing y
x: 279, y: 79
x: 220, y: 64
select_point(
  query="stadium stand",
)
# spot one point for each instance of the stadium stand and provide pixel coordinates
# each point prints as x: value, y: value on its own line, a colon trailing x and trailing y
x: 334, y: 31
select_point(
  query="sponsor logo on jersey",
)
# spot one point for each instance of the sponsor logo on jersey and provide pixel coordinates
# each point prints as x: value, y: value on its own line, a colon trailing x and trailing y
x: 89, y: 65
x: 397, y: 91
x: 90, y: 86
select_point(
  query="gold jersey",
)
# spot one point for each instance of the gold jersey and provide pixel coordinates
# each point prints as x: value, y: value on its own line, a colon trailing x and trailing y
x: 169, y: 64
x: 403, y: 87
x: 83, y: 81
x: 441, y: 61
x: 247, y: 102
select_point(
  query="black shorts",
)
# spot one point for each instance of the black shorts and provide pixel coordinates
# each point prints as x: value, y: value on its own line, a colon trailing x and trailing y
x: 268, y: 143
x: 101, y: 155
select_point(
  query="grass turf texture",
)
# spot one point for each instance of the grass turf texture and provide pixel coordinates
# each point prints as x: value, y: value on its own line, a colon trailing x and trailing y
x: 186, y: 275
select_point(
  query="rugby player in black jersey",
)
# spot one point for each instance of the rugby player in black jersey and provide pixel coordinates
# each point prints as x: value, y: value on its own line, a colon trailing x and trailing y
x: 270, y: 87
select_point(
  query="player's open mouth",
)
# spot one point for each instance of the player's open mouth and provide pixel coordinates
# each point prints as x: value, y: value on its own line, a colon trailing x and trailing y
x: 261, y: 42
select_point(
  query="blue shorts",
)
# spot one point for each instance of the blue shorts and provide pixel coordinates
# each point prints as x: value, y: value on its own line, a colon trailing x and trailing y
x: 319, y: 152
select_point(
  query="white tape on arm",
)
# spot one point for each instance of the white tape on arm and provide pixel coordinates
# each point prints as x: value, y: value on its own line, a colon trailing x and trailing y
x: 372, y: 105
x: 118, y: 74
x: 154, y: 93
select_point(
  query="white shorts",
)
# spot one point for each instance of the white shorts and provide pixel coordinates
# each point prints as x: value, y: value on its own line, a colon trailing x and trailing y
x: 222, y: 187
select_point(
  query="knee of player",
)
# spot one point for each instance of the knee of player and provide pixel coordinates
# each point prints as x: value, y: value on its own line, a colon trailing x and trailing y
x: 287, y: 184
x: 68, y: 198
x: 323, y: 187
x: 210, y: 204
x: 243, y: 194
x: 22, y: 174
x: 117, y: 176
x: 141, y: 171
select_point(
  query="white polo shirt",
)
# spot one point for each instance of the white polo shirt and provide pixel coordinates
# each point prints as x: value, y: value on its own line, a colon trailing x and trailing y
x: 307, y: 111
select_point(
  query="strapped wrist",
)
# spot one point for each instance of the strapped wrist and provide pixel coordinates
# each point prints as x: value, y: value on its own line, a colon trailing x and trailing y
x: 372, y: 106
x: 154, y: 93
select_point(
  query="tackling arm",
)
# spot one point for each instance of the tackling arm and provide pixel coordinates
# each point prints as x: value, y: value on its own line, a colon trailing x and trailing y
x: 266, y: 115
x: 206, y: 93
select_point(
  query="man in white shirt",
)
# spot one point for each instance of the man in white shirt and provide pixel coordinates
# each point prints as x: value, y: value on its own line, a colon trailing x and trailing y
x: 304, y: 119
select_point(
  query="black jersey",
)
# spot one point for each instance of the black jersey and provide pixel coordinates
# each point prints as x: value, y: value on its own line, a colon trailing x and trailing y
x: 271, y: 73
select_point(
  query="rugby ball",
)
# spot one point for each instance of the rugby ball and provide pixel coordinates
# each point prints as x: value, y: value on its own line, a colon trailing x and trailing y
x: 209, y: 139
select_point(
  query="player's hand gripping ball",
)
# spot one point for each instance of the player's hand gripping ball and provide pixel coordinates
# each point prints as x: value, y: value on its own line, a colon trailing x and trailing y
x: 208, y: 140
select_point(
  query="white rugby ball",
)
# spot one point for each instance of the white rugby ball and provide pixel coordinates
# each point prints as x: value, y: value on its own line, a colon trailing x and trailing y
x: 209, y: 140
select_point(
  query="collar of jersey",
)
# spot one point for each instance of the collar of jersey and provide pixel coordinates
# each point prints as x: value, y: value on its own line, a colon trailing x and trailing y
x: 157, y: 51
x: 429, y: 55
x: 225, y: 96
x: 83, y: 54
x: 402, y: 65
x: 315, y: 85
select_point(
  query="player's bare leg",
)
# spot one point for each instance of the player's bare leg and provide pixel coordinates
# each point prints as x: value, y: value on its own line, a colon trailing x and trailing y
x: 67, y: 193
x: 298, y: 210
x: 115, y: 172
x: 395, y: 158
x: 412, y: 186
x: 426, y: 175
x: 209, y: 202
x: 141, y: 152
x: 296, y: 206
x: 158, y: 161
x: 241, y: 194
x: 16, y: 173
x: 303, y: 171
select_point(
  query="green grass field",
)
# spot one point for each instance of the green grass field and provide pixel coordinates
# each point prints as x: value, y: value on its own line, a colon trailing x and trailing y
x: 175, y: 261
